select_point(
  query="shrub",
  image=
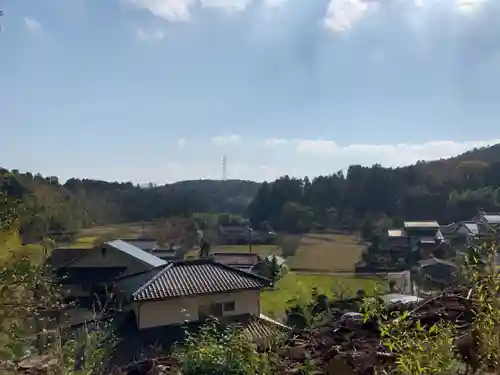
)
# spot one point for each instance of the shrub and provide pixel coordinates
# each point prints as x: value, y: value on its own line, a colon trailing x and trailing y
x: 223, y: 351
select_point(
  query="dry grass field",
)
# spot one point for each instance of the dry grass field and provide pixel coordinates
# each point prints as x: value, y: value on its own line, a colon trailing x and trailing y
x: 316, y: 252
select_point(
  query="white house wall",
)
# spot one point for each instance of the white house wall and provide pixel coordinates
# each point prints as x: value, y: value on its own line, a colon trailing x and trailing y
x: 179, y: 310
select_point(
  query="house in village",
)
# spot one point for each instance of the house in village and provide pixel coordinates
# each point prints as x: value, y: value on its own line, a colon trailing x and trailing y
x: 151, y: 246
x: 464, y: 233
x: 249, y: 262
x: 434, y: 273
x: 243, y: 234
x: 158, y: 293
x: 488, y: 220
x: 88, y: 274
x: 190, y: 291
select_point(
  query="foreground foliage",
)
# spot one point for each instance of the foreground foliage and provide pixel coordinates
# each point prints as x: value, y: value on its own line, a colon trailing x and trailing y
x: 30, y: 301
x: 226, y: 351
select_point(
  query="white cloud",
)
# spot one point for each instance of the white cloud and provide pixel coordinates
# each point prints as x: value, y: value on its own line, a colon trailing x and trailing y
x: 171, y: 10
x: 32, y: 24
x: 469, y: 6
x: 181, y: 10
x: 181, y: 142
x: 273, y: 3
x: 229, y: 5
x: 341, y: 15
x: 389, y: 155
x: 275, y: 141
x: 153, y: 35
x: 316, y: 146
x: 231, y: 139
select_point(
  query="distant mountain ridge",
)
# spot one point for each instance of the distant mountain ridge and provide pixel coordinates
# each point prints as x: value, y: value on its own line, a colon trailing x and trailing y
x: 84, y: 202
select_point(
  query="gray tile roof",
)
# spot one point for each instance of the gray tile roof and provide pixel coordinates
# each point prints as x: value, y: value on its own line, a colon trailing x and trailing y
x: 137, y: 253
x: 195, y: 277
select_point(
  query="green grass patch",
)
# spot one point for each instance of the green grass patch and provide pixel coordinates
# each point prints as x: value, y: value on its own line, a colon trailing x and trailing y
x: 294, y: 288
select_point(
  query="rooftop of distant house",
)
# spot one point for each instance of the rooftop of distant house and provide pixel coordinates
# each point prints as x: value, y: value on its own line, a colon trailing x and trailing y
x: 237, y: 260
x: 142, y: 243
x: 61, y: 257
x: 491, y: 217
x: 64, y: 255
x: 471, y: 226
x: 396, y: 233
x: 186, y: 278
x: 431, y: 224
x: 434, y: 261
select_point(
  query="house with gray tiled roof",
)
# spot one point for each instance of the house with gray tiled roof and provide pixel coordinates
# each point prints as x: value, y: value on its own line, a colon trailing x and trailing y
x: 190, y: 291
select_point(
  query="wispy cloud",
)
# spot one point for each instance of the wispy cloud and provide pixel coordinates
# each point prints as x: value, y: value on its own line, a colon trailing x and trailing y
x: 181, y: 10
x: 338, y: 17
x: 171, y: 10
x: 231, y: 139
x: 388, y: 154
x: 152, y: 35
x: 32, y: 24
x: 341, y: 15
x: 273, y: 3
x: 469, y: 6
x: 275, y: 141
x: 229, y: 5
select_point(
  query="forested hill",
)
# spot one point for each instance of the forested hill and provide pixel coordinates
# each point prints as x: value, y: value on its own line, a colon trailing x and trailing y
x: 446, y: 190
x: 79, y: 203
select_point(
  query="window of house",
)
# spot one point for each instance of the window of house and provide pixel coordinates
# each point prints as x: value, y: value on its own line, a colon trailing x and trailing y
x: 228, y: 306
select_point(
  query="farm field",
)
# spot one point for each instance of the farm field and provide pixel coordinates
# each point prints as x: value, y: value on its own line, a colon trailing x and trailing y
x: 293, y: 288
x: 316, y: 252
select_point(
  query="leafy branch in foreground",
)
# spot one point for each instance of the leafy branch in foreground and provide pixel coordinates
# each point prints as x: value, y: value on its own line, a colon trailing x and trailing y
x: 423, y: 350
x: 482, y: 274
x: 30, y: 301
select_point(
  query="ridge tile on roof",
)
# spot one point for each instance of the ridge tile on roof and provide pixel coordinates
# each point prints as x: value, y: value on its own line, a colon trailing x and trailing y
x: 195, y: 277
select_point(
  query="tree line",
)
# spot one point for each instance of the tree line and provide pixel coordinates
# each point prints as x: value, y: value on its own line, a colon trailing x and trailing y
x: 446, y: 190
x: 51, y: 206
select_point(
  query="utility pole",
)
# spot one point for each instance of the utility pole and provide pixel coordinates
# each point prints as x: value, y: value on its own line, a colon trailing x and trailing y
x: 250, y: 239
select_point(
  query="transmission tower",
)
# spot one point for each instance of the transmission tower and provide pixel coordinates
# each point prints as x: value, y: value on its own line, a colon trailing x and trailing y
x: 224, y: 168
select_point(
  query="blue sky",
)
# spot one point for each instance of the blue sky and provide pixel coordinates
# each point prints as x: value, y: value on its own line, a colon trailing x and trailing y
x: 159, y: 90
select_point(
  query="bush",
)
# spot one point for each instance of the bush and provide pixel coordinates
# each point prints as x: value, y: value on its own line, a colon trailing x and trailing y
x: 223, y: 351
